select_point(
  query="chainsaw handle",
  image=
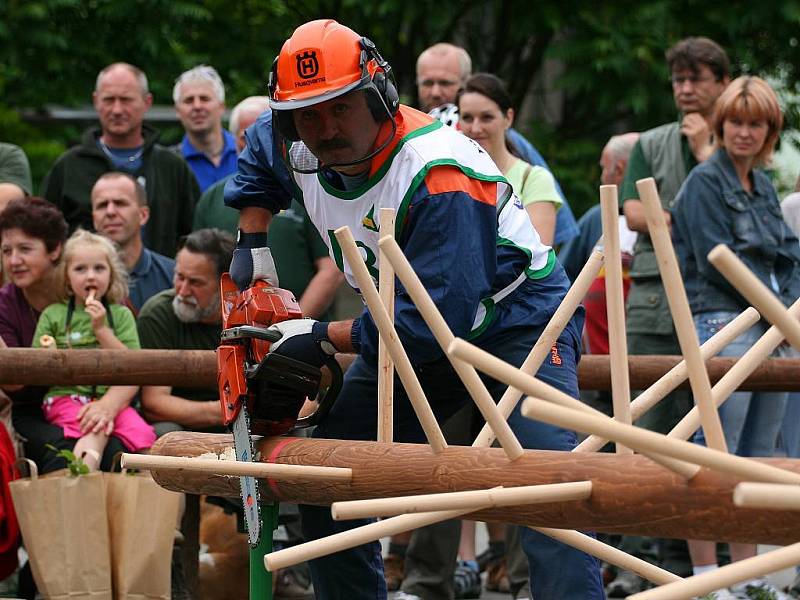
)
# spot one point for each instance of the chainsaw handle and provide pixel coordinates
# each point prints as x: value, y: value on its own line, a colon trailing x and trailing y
x: 328, y: 399
x: 250, y: 331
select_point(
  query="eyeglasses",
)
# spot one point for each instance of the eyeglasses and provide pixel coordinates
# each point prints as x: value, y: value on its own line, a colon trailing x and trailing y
x: 445, y: 83
x: 679, y: 80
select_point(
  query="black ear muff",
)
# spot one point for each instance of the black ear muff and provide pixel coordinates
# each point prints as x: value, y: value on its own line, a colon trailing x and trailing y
x: 386, y: 98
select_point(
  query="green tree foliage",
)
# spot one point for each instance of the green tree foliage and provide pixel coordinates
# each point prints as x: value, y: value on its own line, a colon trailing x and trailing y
x: 613, y: 77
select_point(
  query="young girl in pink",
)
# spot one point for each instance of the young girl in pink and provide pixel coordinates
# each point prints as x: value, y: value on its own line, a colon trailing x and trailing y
x: 92, y: 282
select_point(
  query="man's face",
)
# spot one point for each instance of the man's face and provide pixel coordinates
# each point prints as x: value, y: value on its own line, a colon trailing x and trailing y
x: 199, y: 109
x: 610, y: 173
x: 438, y: 80
x: 116, y: 213
x: 246, y: 118
x: 696, y: 91
x: 196, y: 288
x: 120, y: 103
x: 338, y: 131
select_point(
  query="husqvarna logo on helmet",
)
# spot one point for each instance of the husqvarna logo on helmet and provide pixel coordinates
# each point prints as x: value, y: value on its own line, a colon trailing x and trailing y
x: 307, y: 64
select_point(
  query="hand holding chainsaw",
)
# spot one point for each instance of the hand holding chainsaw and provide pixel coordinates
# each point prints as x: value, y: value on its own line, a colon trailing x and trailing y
x: 252, y: 260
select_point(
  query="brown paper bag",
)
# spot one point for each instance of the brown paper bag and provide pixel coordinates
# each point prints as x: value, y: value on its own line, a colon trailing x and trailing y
x: 65, y: 532
x: 141, y: 520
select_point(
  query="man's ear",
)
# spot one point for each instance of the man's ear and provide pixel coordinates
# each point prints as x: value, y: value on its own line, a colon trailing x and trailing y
x: 144, y: 215
x: 148, y: 101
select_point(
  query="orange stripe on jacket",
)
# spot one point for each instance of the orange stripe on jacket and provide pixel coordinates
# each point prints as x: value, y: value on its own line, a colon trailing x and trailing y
x: 445, y: 178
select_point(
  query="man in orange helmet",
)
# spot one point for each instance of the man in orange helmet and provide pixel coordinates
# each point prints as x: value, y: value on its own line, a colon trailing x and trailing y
x: 352, y: 149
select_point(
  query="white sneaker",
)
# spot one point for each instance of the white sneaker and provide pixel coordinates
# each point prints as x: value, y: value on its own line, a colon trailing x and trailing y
x: 758, y: 589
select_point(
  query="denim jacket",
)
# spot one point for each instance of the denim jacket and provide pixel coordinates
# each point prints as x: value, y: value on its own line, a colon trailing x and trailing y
x: 712, y: 208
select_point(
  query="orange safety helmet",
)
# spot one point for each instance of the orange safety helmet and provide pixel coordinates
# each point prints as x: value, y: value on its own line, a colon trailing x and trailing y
x: 323, y: 60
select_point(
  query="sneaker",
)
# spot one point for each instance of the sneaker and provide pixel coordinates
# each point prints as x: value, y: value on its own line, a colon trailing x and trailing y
x: 722, y: 594
x: 625, y: 584
x: 466, y: 581
x: 485, y: 557
x: 394, y: 567
x: 497, y: 576
x: 291, y: 585
x: 794, y: 587
x: 405, y: 596
x: 758, y: 589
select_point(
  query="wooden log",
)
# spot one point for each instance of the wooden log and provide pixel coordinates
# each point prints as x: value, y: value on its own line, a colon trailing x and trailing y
x: 198, y: 369
x: 630, y: 494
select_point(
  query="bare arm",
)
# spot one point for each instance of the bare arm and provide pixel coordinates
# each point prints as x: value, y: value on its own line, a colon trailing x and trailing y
x: 99, y: 415
x: 253, y: 219
x: 339, y: 335
x: 321, y: 290
x: 543, y: 217
x: 158, y: 404
x: 634, y: 215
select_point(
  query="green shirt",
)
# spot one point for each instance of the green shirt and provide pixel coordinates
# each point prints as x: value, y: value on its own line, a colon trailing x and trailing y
x: 160, y: 329
x: 79, y: 335
x: 533, y: 184
x: 294, y: 241
x: 14, y: 167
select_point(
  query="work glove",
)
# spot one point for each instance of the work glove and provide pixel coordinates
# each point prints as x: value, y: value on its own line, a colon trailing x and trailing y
x: 252, y: 260
x: 305, y: 340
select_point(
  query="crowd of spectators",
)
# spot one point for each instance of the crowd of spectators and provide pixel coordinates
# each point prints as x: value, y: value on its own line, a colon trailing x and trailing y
x: 162, y: 213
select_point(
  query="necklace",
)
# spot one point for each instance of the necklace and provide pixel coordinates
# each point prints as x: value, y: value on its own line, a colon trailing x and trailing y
x: 113, y: 157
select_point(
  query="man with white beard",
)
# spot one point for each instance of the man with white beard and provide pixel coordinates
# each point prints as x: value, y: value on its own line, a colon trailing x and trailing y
x: 187, y: 317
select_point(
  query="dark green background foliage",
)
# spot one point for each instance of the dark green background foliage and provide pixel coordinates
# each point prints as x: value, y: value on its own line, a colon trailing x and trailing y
x: 610, y: 78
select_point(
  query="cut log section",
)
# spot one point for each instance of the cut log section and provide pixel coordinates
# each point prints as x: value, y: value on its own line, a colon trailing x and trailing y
x: 630, y: 494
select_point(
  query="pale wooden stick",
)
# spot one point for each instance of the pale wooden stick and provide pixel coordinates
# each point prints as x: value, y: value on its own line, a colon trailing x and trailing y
x: 385, y: 365
x: 550, y: 334
x: 642, y: 440
x: 155, y: 462
x: 466, y: 372
x: 724, y: 577
x: 615, y: 309
x: 611, y: 555
x: 675, y: 376
x: 740, y: 371
x: 772, y: 496
x: 355, y: 537
x: 756, y: 293
x: 384, y: 324
x: 502, y: 371
x: 681, y: 314
x: 473, y: 500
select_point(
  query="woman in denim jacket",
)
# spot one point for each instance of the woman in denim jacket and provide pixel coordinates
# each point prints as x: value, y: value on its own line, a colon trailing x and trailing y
x: 727, y: 200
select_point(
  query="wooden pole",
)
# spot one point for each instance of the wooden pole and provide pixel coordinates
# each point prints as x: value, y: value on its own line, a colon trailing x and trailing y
x: 473, y: 500
x: 235, y: 468
x: 550, y: 334
x: 681, y: 314
x: 466, y: 372
x: 198, y: 369
x: 729, y: 382
x: 756, y: 293
x: 656, y: 392
x: 642, y: 440
x: 384, y: 324
x: 630, y: 494
x: 611, y: 555
x: 502, y: 371
x: 769, y: 496
x: 615, y: 309
x: 724, y: 577
x: 385, y: 364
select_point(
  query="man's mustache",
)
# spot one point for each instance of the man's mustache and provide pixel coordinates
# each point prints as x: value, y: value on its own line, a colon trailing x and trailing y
x: 333, y: 144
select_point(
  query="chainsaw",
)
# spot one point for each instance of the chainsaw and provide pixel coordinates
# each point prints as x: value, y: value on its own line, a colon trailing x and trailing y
x: 261, y: 392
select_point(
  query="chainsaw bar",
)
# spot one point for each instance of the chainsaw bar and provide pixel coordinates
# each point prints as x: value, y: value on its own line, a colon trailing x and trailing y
x: 248, y: 485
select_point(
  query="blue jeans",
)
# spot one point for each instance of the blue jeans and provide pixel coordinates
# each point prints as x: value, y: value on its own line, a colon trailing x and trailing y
x: 557, y: 571
x: 750, y: 420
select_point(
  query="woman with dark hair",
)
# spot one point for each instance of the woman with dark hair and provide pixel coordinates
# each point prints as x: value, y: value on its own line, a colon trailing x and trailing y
x: 728, y: 200
x: 32, y: 235
x: 486, y: 115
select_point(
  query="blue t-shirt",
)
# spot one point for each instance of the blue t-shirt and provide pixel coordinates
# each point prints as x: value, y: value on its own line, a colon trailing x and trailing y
x: 151, y: 274
x: 128, y: 160
x: 204, y: 170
